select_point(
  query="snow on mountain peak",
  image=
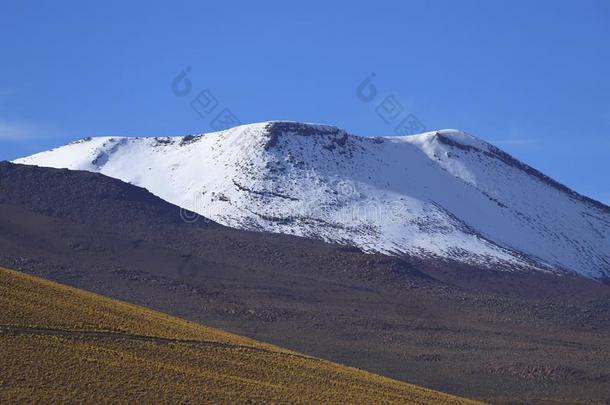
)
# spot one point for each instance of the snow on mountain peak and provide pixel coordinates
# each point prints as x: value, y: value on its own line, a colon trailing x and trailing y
x: 444, y: 194
x: 274, y: 130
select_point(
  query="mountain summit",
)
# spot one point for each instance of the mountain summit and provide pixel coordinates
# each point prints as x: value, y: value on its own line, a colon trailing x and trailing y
x: 441, y: 195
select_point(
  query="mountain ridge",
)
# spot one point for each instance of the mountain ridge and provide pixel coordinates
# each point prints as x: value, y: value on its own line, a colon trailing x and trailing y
x: 105, y: 344
x: 440, y: 324
x: 442, y: 194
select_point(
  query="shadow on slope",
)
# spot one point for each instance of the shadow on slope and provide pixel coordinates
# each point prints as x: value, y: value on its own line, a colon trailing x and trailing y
x: 63, y: 344
x: 494, y: 336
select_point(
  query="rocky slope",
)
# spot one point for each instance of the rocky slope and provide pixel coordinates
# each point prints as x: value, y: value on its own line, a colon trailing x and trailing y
x: 526, y: 337
x: 441, y: 194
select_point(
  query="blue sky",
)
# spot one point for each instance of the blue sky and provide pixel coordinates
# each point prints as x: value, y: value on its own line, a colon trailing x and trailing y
x: 532, y: 77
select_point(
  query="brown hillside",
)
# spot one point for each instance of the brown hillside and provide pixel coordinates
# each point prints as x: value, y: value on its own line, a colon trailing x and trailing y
x: 58, y: 343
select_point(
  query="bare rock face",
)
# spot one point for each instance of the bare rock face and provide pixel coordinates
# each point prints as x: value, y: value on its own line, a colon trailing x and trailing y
x: 498, y: 336
x: 443, y: 194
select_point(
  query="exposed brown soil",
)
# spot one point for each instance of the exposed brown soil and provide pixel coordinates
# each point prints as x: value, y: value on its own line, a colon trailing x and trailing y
x: 59, y: 344
x: 496, y: 336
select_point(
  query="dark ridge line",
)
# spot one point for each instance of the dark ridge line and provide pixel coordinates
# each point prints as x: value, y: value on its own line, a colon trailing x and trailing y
x: 97, y: 334
x: 506, y: 158
x: 263, y: 193
x: 276, y: 129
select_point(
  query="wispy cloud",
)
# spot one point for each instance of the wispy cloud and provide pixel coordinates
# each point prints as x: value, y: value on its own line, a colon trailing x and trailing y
x: 517, y: 136
x: 513, y: 142
x: 17, y: 130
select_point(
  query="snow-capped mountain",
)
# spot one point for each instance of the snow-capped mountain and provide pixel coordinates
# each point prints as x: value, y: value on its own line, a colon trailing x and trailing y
x: 442, y: 194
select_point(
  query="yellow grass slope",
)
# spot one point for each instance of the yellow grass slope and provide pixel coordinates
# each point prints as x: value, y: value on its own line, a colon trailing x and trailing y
x: 59, y: 344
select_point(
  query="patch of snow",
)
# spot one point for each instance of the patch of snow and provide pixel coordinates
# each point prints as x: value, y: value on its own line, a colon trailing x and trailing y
x: 439, y: 194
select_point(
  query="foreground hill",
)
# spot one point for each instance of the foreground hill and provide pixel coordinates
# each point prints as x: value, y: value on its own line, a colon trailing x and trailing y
x: 495, y: 336
x: 441, y: 194
x: 63, y: 344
